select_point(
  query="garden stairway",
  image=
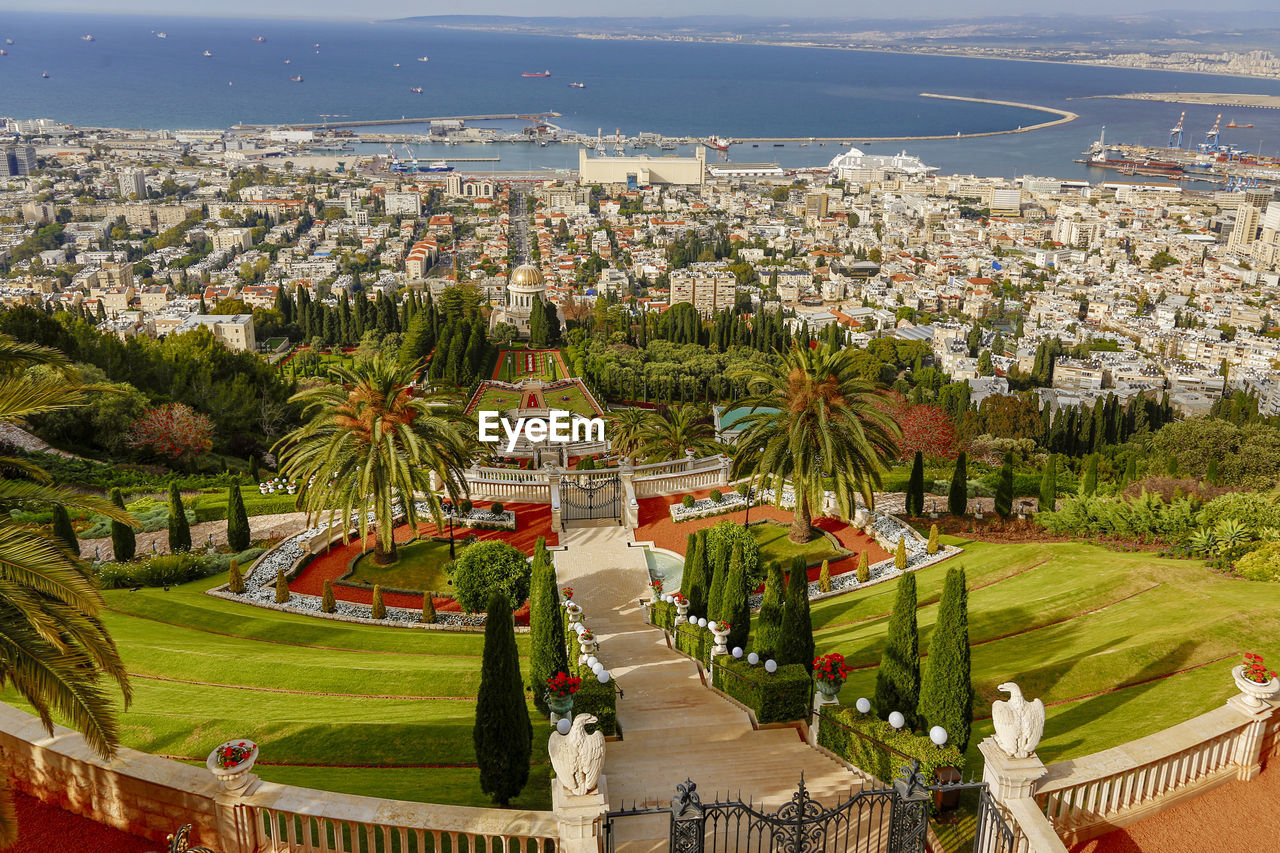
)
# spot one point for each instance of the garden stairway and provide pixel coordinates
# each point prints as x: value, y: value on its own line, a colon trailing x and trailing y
x: 673, y: 727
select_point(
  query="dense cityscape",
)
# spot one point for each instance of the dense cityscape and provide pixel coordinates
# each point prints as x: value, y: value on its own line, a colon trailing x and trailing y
x: 361, y: 500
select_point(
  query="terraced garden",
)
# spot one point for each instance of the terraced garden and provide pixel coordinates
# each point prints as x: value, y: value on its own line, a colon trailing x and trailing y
x: 1118, y: 645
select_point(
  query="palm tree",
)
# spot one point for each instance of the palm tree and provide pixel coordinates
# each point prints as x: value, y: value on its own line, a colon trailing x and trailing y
x: 370, y: 444
x: 666, y: 436
x: 53, y: 647
x: 628, y: 431
x: 812, y: 417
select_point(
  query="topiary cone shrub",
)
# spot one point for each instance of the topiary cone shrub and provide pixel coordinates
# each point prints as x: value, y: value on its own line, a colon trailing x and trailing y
x: 235, y: 582
x: 379, y: 610
x: 327, y: 602
x: 900, y: 555
x: 824, y: 577
x: 428, y: 608
x: 932, y: 547
x: 282, y: 587
x: 864, y: 570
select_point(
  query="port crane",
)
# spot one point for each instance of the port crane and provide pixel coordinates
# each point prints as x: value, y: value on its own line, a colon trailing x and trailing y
x: 1175, y: 132
x: 1211, y: 138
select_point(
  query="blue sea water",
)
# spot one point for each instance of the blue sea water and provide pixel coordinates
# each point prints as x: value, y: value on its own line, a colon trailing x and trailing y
x: 129, y: 77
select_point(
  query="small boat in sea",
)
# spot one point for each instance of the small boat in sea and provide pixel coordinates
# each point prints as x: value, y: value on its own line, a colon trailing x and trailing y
x: 8, y: 41
x: 259, y: 39
x: 3, y: 52
x: 437, y: 166
x: 162, y: 35
x: 297, y: 79
x: 417, y: 90
x: 424, y: 59
x: 87, y: 38
x: 208, y: 53
x: 288, y: 62
x: 577, y: 85
x: 536, y: 74
x: 396, y: 65
x: 45, y: 75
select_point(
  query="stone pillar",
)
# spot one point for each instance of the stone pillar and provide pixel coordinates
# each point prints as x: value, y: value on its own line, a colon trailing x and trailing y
x: 235, y: 823
x: 1247, y: 754
x: 553, y: 493
x: 725, y: 465
x: 1009, y: 778
x: 818, y: 701
x: 688, y: 460
x: 579, y: 817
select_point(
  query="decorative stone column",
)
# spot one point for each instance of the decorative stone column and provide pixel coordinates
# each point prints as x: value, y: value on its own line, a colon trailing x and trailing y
x: 725, y: 465
x: 553, y: 493
x: 688, y: 460
x: 579, y: 818
x: 1247, y: 754
x: 1010, y: 778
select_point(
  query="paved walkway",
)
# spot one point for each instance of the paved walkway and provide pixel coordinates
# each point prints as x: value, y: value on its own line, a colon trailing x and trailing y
x: 260, y: 527
x: 672, y: 726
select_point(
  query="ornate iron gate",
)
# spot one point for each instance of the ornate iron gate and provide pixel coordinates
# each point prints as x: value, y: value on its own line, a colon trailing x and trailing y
x: 590, y: 497
x: 889, y: 820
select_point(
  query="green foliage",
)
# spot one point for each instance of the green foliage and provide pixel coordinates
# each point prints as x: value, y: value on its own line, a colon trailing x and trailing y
x: 598, y: 700
x: 160, y: 570
x: 63, y: 530
x: 691, y: 543
x: 497, y: 508
x: 687, y: 501
x: 779, y: 697
x: 503, y: 733
x: 733, y: 606
x: 1089, y: 483
x: 282, y: 587
x: 237, y: 520
x: 769, y: 620
x: 327, y: 602
x: 1049, y: 485
x: 1146, y: 518
x: 715, y: 596
x: 864, y: 570
x: 217, y: 507
x: 378, y: 610
x: 1247, y: 455
x: 123, y: 541
x: 795, y: 641
x: 723, y: 537
x: 958, y: 496
x: 1004, y: 494
x: 695, y: 642
x: 875, y: 746
x: 179, y: 527
x: 900, y: 555
x: 1257, y: 511
x: 485, y: 567
x: 1261, y: 564
x: 946, y: 686
x: 428, y: 608
x: 697, y: 578
x: 898, y: 678
x: 716, y: 495
x: 662, y: 614
x: 235, y: 581
x: 932, y: 547
x: 546, y: 625
x: 824, y: 577
x: 915, y: 487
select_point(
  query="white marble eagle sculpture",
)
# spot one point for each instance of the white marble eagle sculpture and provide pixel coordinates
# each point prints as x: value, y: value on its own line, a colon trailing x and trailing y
x: 1019, y: 723
x: 577, y: 757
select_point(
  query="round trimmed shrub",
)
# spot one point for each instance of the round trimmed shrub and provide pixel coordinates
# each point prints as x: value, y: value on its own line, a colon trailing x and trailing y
x: 488, y: 567
x: 497, y: 508
x: 716, y: 495
x: 465, y: 506
x: 1261, y: 564
x: 687, y: 501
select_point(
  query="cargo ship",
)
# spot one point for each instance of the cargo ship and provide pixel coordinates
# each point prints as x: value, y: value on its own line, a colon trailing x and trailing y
x: 417, y: 90
x: 719, y: 143
x: 258, y: 39
x: 577, y: 85
x: 1104, y: 157
x: 536, y: 74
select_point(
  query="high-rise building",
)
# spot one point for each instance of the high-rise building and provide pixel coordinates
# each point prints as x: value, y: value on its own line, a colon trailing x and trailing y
x: 815, y: 206
x: 133, y: 182
x: 1245, y: 230
x: 707, y: 287
x: 17, y: 160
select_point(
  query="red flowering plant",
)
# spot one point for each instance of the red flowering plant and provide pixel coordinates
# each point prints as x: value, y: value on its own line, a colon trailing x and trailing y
x: 563, y: 684
x: 656, y: 583
x: 1254, y: 669
x: 678, y: 598
x: 722, y: 627
x: 232, y: 754
x: 567, y: 592
x: 830, y: 668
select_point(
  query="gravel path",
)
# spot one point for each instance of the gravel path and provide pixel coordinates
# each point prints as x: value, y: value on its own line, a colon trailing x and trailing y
x: 260, y: 527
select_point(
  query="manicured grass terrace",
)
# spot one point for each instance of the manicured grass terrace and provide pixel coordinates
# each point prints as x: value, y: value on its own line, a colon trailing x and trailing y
x: 774, y: 545
x: 420, y: 567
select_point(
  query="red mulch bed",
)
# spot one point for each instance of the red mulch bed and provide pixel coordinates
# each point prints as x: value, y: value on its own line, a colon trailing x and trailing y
x: 43, y: 828
x: 532, y: 521
x: 656, y: 526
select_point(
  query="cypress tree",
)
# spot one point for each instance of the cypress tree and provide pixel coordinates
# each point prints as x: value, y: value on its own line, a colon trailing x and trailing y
x: 1131, y: 470
x: 915, y: 487
x: 235, y: 578
x: 715, y: 597
x: 503, y: 734
x: 690, y: 557
x: 733, y: 604
x: 898, y: 678
x: 946, y: 690
x: 699, y: 583
x: 900, y: 555
x: 932, y: 547
x: 769, y: 621
x: 1090, y: 483
x: 379, y: 610
x: 958, y: 497
x: 824, y: 577
x: 327, y: 602
x: 795, y: 642
x: 864, y: 570
x: 428, y: 608
x: 63, y: 529
x: 123, y: 540
x: 547, y: 654
x: 237, y: 520
x: 1004, y: 491
x: 179, y: 529
x: 1049, y: 485
x: 282, y: 587
x: 255, y: 475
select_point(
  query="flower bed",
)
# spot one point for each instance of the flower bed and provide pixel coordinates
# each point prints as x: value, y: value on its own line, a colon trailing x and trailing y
x: 480, y: 519
x: 729, y: 502
x: 872, y: 745
x: 774, y: 697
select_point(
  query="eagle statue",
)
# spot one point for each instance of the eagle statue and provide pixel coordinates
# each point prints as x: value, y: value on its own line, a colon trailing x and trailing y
x: 1019, y: 723
x: 577, y: 757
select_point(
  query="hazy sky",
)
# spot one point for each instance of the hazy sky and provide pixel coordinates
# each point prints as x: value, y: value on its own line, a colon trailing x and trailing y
x: 367, y: 9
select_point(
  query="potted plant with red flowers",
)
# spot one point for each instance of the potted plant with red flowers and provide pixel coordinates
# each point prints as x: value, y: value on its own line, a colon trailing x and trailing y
x: 829, y: 674
x: 560, y: 690
x: 1255, y: 681
x: 682, y: 608
x: 231, y: 762
x: 655, y: 589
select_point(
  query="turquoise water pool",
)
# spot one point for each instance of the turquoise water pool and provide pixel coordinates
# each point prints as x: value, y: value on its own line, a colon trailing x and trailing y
x: 666, y: 567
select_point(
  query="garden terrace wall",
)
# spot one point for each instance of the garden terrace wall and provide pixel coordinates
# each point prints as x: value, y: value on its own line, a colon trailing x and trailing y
x: 777, y: 697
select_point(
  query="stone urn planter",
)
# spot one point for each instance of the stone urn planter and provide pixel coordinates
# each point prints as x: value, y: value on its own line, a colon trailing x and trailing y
x: 561, y: 706
x: 682, y: 612
x: 1254, y: 692
x: 233, y: 776
x: 829, y: 688
x: 586, y: 647
x: 574, y: 611
x: 721, y: 632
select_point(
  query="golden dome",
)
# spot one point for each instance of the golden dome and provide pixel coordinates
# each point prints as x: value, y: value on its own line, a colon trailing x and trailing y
x: 527, y: 277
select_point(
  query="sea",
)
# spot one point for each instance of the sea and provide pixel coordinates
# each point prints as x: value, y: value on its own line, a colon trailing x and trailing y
x: 129, y: 76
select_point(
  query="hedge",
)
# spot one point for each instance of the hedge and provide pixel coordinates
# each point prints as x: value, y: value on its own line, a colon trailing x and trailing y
x: 695, y: 642
x: 598, y: 700
x: 214, y: 507
x: 775, y: 698
x: 872, y: 745
x: 169, y: 569
x: 662, y: 614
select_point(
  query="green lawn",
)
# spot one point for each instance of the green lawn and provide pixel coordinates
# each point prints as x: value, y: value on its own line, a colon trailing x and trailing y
x: 1071, y: 623
x: 494, y: 399
x: 572, y: 399
x: 774, y: 545
x: 511, y: 366
x: 377, y: 711
x: 420, y: 567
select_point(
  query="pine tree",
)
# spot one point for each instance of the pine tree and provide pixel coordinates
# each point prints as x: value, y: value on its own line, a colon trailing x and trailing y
x: 1049, y: 485
x: 124, y: 542
x: 237, y: 520
x: 900, y: 555
x: 282, y: 587
x: 327, y: 602
x: 503, y: 734
x: 733, y: 605
x: 1089, y: 485
x: 769, y: 621
x: 699, y: 583
x: 179, y: 529
x: 1004, y: 491
x: 378, y: 610
x: 428, y: 608
x: 235, y: 578
x: 255, y: 474
x: 795, y: 641
x: 958, y: 497
x: 946, y: 691
x: 898, y: 678
x: 864, y: 570
x: 546, y: 630
x: 64, y: 530
x: 932, y: 547
x: 915, y: 487
x: 824, y: 577
x: 715, y: 596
